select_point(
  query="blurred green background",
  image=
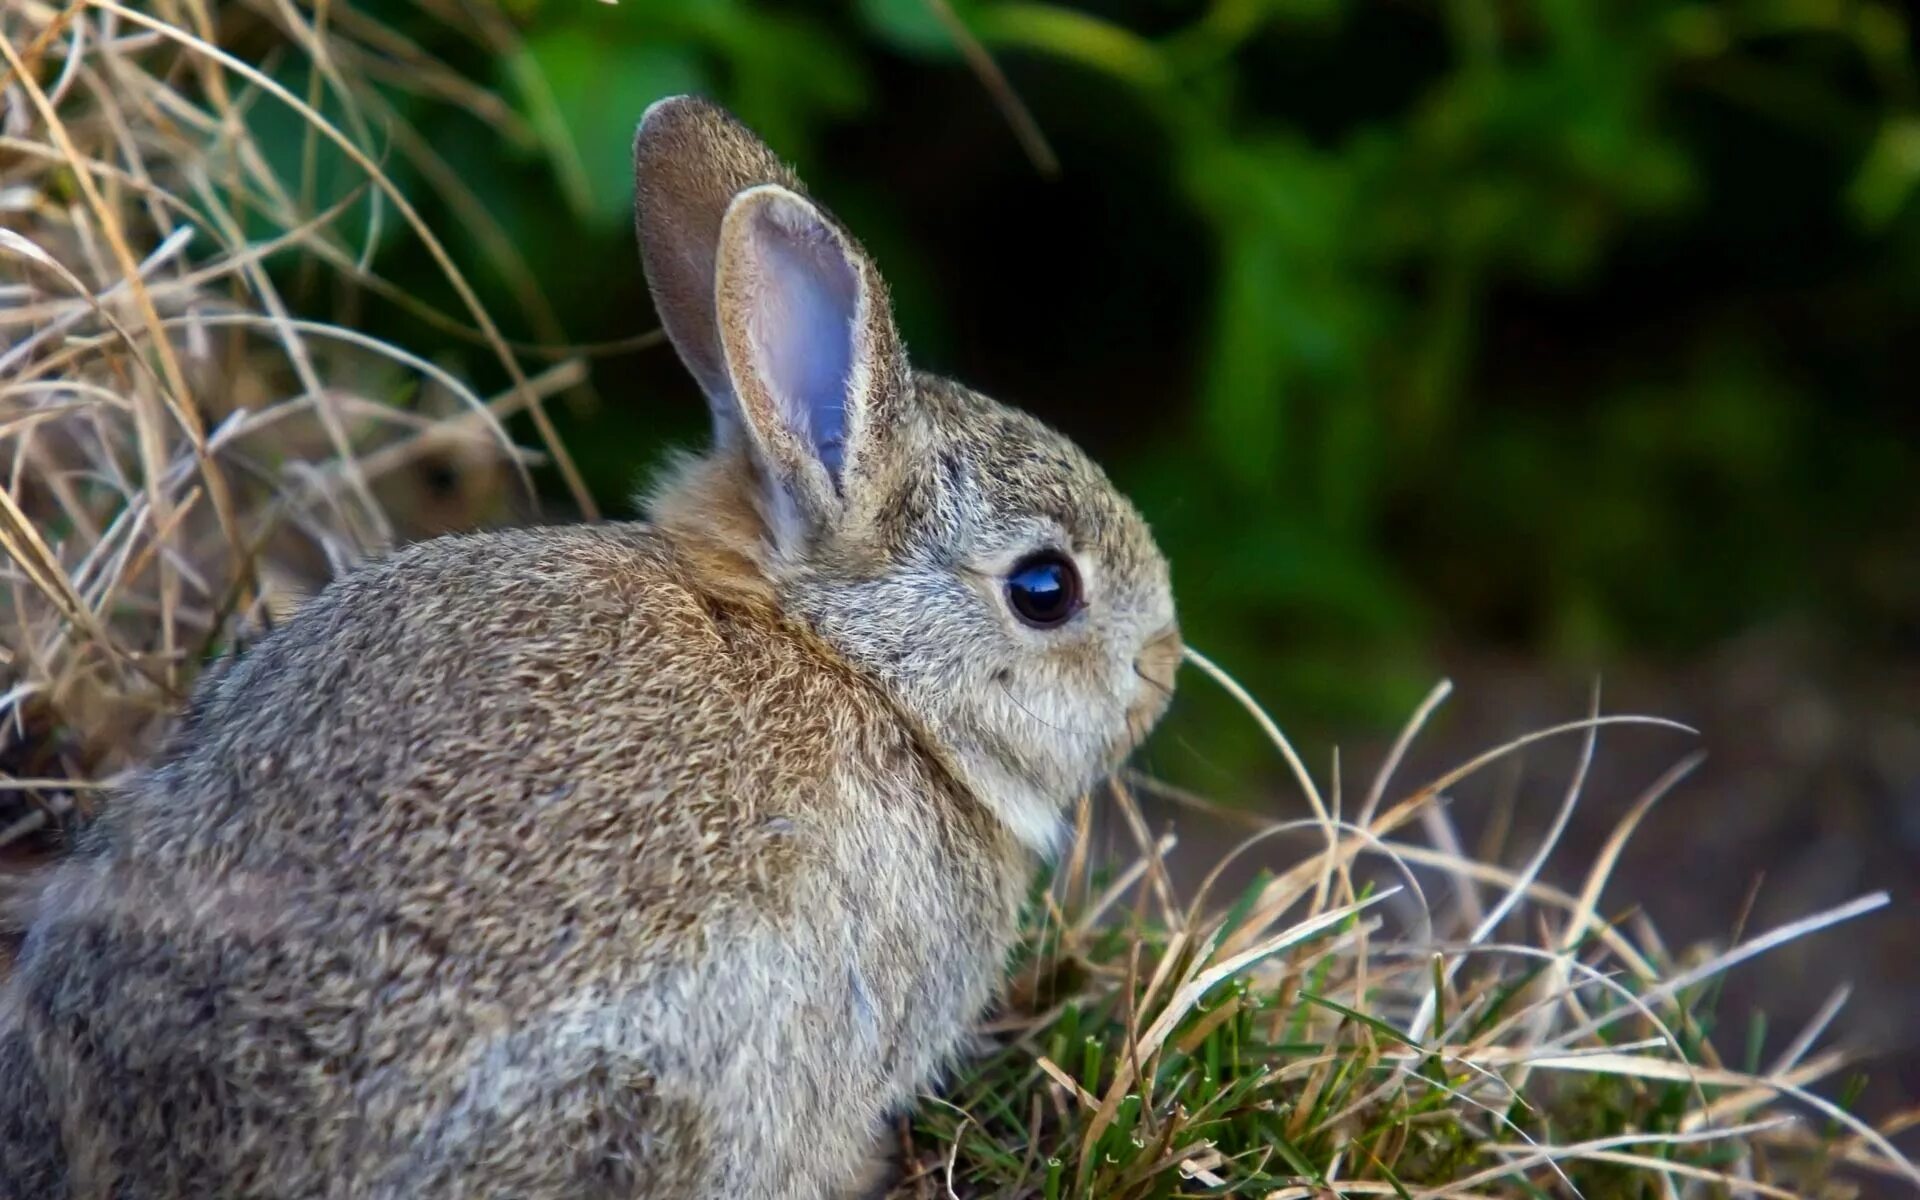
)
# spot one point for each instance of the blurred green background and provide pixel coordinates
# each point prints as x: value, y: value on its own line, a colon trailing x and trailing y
x: 1578, y: 329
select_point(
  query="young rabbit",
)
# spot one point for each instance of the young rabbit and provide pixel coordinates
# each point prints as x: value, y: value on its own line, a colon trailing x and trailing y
x: 632, y: 860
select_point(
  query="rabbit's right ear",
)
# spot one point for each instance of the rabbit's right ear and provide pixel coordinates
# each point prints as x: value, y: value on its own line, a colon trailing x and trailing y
x: 690, y: 159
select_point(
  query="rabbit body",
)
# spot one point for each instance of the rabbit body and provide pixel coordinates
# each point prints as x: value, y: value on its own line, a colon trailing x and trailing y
x: 645, y: 861
x: 623, y: 883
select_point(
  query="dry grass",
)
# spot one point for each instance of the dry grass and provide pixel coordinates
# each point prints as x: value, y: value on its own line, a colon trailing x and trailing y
x: 184, y: 456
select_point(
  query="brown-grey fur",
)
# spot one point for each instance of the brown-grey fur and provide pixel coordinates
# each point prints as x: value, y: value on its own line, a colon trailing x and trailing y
x: 638, y: 860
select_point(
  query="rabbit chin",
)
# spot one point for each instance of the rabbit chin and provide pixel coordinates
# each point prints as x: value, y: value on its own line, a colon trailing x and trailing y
x: 1032, y: 793
x: 1035, y: 815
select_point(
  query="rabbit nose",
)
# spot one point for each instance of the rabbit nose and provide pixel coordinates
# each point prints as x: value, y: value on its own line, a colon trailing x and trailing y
x: 1159, y: 658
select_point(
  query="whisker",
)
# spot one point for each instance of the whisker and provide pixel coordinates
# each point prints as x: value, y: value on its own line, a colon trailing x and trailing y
x: 1036, y: 716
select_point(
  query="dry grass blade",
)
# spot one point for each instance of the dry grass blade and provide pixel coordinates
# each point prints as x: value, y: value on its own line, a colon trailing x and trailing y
x: 1025, y: 128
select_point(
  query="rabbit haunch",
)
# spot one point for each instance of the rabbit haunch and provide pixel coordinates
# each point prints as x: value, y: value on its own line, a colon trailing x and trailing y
x: 649, y: 860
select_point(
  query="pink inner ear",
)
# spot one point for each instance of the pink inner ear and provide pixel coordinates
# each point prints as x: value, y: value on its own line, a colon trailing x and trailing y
x: 804, y: 301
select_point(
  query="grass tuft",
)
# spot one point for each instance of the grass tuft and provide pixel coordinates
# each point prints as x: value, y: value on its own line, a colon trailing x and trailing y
x: 182, y: 455
x: 1329, y: 1031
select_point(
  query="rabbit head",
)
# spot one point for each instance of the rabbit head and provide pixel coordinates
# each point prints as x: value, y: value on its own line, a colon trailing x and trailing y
x: 974, y: 561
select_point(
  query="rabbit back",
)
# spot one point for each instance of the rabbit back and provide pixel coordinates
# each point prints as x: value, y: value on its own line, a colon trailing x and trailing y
x: 516, y: 864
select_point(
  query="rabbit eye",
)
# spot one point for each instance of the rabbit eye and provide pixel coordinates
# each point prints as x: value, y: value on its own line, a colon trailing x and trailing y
x: 1044, y: 589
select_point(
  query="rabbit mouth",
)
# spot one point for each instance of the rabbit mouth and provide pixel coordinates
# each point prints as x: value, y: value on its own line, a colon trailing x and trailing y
x: 1142, y: 715
x: 1154, y: 668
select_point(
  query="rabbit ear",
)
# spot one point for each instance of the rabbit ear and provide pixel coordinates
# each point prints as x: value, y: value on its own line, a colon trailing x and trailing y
x: 814, y: 358
x: 690, y: 159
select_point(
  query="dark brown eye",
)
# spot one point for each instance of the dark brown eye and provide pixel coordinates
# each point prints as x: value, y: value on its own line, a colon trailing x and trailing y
x: 1044, y: 589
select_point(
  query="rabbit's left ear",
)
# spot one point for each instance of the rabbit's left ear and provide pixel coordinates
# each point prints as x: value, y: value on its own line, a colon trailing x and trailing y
x: 815, y: 361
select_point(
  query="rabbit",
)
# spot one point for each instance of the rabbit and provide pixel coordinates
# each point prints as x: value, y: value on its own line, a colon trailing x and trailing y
x: 663, y: 859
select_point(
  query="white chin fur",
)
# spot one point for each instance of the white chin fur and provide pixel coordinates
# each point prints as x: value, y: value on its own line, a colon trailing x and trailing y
x: 1035, y: 819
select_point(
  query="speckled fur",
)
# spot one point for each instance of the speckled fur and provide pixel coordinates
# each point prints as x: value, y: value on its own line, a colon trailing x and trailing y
x: 656, y: 860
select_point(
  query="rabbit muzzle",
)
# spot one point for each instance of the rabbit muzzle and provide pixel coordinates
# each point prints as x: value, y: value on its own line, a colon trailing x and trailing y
x: 1154, y: 666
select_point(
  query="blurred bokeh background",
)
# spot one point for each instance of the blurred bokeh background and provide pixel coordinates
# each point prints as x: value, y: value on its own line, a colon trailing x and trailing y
x: 1518, y: 342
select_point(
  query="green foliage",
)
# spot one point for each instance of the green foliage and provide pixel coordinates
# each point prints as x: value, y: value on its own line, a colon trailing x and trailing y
x: 1511, y: 322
